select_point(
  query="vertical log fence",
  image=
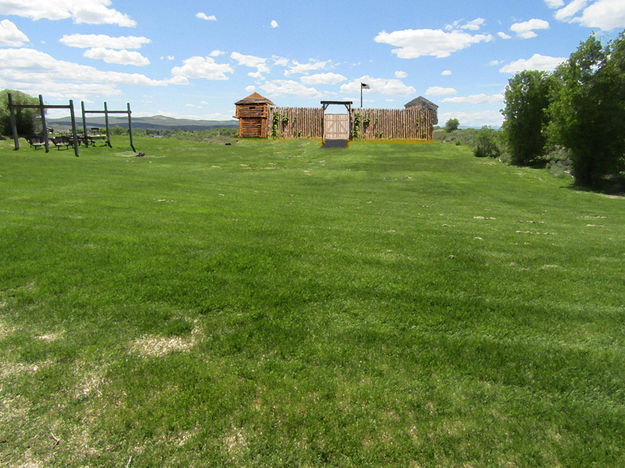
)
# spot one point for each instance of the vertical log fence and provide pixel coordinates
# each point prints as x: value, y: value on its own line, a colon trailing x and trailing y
x: 368, y: 124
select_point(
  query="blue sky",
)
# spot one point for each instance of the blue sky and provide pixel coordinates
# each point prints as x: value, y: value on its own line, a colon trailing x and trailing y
x: 194, y: 59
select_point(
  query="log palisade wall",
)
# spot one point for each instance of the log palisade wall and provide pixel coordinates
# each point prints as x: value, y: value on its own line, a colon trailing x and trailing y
x: 295, y: 122
x: 373, y: 124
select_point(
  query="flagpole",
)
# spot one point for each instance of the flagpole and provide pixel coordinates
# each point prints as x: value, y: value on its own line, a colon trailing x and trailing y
x: 361, y: 95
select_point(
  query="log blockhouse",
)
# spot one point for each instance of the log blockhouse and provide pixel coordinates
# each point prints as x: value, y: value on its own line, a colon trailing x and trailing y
x: 253, y: 112
x: 422, y: 103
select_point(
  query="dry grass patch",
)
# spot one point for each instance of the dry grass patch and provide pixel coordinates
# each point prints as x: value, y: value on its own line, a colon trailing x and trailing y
x: 14, y: 369
x: 236, y: 443
x: 158, y: 346
x: 49, y: 337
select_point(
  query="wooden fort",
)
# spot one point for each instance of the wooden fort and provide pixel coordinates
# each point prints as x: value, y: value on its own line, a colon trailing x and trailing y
x: 252, y: 113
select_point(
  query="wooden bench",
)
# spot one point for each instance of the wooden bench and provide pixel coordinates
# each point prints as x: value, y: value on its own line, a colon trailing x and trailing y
x: 35, y: 142
x: 61, y: 141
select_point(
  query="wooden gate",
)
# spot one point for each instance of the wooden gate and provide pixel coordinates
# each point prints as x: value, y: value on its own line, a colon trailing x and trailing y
x: 336, y: 127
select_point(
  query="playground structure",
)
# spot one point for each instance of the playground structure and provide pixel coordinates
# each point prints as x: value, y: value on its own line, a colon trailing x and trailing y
x: 74, y: 140
x: 106, y: 113
x: 42, y: 109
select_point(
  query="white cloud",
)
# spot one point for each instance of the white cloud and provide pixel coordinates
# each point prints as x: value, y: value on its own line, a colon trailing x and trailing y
x: 80, y: 11
x: 216, y: 53
x: 401, y: 74
x: 535, y: 62
x: 474, y: 119
x: 36, y: 72
x: 446, y: 73
x: 250, y: 89
x: 203, y: 16
x: 604, y: 14
x: 494, y: 63
x: 10, y: 35
x: 439, y: 91
x: 323, y: 78
x: 475, y: 99
x: 169, y: 57
x: 503, y: 35
x: 280, y: 61
x: 568, y: 12
x: 390, y: 86
x: 306, y: 67
x: 526, y: 29
x: 251, y: 61
x: 280, y: 87
x: 200, y: 67
x: 414, y: 43
x: 120, y: 57
x: 273, y: 24
x: 474, y: 25
x: 88, y: 41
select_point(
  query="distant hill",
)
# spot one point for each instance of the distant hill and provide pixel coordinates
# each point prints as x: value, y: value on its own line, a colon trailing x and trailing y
x: 156, y: 122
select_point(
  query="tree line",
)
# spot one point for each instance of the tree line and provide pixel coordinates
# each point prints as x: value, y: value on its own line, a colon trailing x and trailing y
x: 580, y: 107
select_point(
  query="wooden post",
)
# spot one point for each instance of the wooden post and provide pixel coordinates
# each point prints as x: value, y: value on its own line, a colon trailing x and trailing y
x: 106, y: 121
x: 71, y: 113
x: 130, y: 128
x: 16, y: 138
x: 43, y: 124
x: 84, y: 123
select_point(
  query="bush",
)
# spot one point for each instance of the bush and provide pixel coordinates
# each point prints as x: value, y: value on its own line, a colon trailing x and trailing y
x: 117, y: 130
x: 486, y: 143
x: 26, y: 120
x: 558, y: 161
x: 451, y: 125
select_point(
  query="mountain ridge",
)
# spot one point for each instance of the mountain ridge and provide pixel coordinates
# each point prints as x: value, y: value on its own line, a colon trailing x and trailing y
x: 155, y: 122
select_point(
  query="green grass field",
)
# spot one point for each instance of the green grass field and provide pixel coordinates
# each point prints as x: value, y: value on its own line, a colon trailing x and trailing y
x: 275, y: 303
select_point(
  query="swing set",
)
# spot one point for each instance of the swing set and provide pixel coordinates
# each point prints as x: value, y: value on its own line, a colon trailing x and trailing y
x: 74, y: 140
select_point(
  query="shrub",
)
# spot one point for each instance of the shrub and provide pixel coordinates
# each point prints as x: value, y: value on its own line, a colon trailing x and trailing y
x: 451, y: 125
x: 26, y: 120
x: 486, y: 143
x: 558, y: 161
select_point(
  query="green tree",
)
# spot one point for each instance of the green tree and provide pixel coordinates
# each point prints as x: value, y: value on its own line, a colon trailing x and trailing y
x: 26, y: 120
x: 451, y: 125
x: 525, y: 115
x: 588, y: 110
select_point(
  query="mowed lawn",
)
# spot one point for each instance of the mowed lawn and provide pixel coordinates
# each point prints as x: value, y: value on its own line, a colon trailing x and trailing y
x: 275, y: 303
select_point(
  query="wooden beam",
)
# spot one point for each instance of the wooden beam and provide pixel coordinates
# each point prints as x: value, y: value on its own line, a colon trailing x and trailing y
x: 106, y: 122
x: 84, y: 123
x: 43, y: 124
x: 130, y: 128
x: 71, y: 113
x: 16, y: 138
